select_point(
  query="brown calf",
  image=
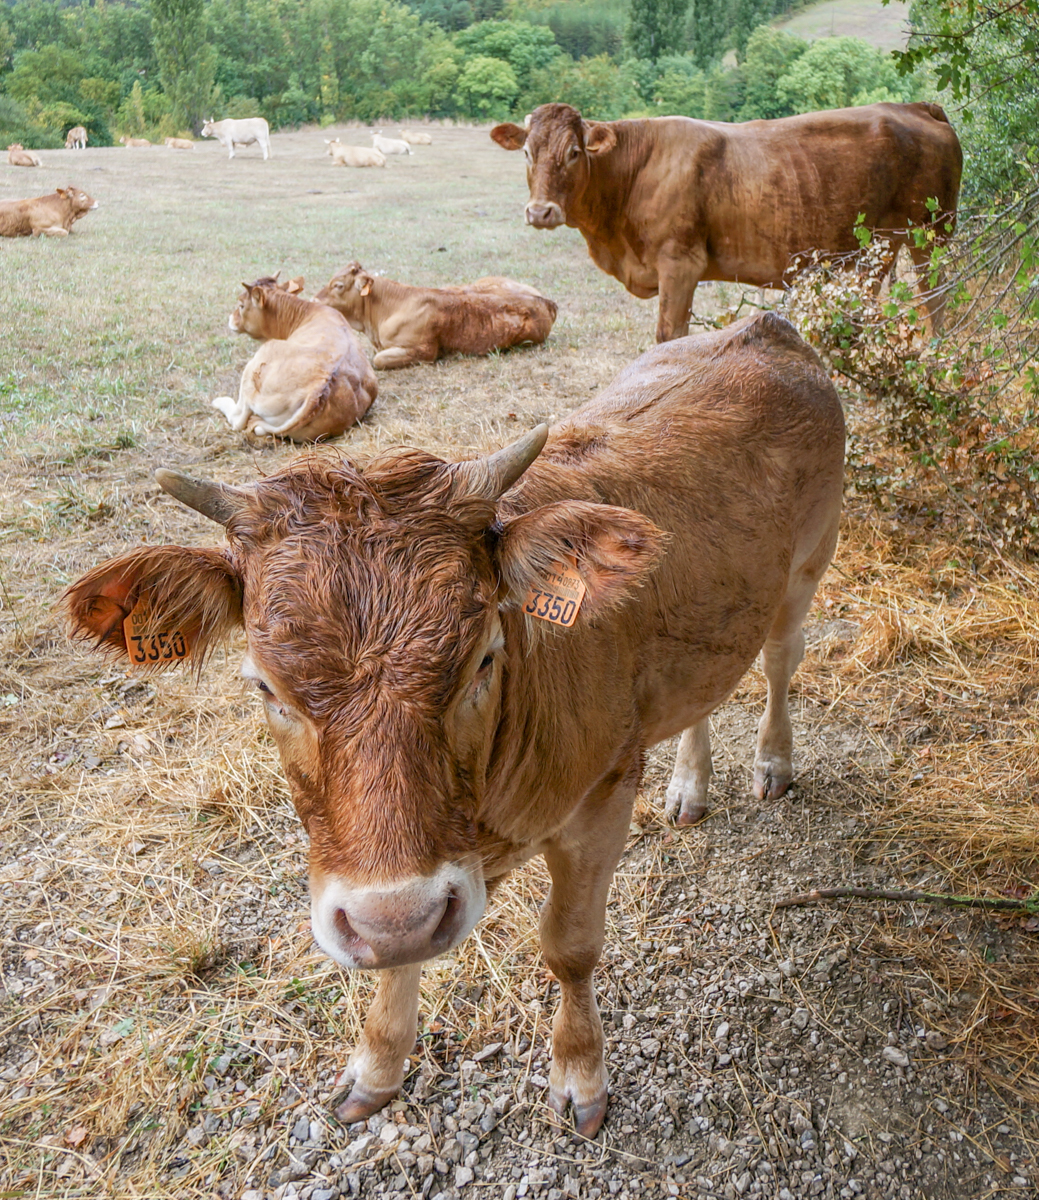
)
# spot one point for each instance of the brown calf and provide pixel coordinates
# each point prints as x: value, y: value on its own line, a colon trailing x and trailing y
x: 310, y: 378
x: 18, y: 156
x: 53, y: 215
x: 76, y: 138
x: 408, y: 325
x: 435, y: 728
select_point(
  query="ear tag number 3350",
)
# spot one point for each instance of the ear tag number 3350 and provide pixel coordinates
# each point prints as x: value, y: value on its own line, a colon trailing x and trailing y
x: 145, y: 645
x: 557, y: 596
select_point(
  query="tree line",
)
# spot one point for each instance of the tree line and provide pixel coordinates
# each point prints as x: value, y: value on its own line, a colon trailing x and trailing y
x: 159, y: 67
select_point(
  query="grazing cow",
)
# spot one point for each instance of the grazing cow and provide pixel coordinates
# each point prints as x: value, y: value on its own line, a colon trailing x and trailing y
x: 434, y: 731
x: 353, y: 156
x: 52, y: 215
x: 415, y: 139
x: 76, y: 138
x: 134, y: 143
x: 179, y: 143
x: 309, y: 379
x: 244, y: 132
x: 666, y: 202
x: 18, y: 156
x: 408, y: 325
x: 390, y: 146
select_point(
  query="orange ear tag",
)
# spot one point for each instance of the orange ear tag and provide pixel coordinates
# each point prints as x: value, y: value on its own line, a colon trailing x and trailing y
x: 145, y: 646
x: 556, y: 597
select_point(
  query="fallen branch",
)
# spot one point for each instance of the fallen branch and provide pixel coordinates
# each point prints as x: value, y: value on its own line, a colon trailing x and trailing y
x: 1024, y: 908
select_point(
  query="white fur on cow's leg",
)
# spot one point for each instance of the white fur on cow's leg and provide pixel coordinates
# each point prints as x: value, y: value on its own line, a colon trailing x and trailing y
x: 54, y: 231
x: 237, y: 412
x: 395, y: 356
x: 687, y: 792
x: 581, y: 859
x: 377, y: 1065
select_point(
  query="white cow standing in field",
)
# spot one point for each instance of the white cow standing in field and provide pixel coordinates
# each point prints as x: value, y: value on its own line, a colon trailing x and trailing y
x: 76, y: 138
x: 243, y: 132
x: 388, y: 146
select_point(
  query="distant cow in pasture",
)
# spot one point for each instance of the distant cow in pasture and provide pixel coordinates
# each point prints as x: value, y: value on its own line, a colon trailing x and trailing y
x: 76, y: 138
x: 666, y: 202
x: 463, y: 664
x: 415, y: 139
x: 134, y: 143
x: 353, y: 156
x: 309, y: 379
x: 409, y: 325
x: 243, y: 132
x: 52, y: 215
x: 179, y: 143
x: 18, y: 156
x: 390, y: 146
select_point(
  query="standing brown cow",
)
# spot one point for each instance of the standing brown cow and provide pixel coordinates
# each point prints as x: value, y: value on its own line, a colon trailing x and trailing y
x: 463, y: 664
x: 667, y: 202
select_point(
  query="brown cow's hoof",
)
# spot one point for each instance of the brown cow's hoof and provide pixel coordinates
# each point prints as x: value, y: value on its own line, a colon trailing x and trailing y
x: 588, y: 1118
x: 770, y: 784
x: 692, y: 815
x: 359, y: 1105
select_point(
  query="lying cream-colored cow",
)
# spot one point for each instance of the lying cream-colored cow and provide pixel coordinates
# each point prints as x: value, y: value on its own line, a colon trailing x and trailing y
x: 179, y: 143
x: 132, y: 142
x: 409, y: 325
x: 353, y: 156
x: 389, y: 146
x: 52, y: 215
x: 415, y: 139
x: 309, y: 379
x: 76, y: 138
x: 245, y: 131
x: 18, y: 156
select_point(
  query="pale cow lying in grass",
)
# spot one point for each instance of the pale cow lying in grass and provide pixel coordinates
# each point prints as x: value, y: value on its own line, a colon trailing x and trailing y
x: 353, y: 156
x: 390, y: 146
x: 415, y: 139
x: 133, y: 143
x: 410, y: 325
x: 76, y: 138
x: 179, y: 143
x: 245, y: 131
x: 52, y: 215
x: 18, y: 156
x: 309, y: 379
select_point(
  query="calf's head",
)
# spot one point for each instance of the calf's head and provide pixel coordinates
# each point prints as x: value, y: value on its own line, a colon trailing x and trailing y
x: 346, y: 289
x: 375, y: 605
x: 557, y: 143
x: 257, y: 311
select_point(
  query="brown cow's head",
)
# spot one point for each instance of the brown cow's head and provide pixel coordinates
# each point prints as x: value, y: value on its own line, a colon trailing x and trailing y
x: 345, y: 291
x: 80, y: 201
x: 556, y: 142
x: 376, y: 605
x: 258, y: 305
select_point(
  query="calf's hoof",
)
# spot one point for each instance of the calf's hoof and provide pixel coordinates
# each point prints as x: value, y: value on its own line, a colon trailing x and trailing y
x: 360, y: 1104
x: 771, y: 781
x: 588, y: 1118
x: 684, y: 810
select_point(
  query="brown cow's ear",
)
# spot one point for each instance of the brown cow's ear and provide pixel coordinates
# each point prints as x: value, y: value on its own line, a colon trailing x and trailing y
x: 294, y: 286
x: 256, y: 295
x: 599, y: 138
x: 509, y: 136
x: 157, y: 605
x: 363, y: 282
x: 612, y: 550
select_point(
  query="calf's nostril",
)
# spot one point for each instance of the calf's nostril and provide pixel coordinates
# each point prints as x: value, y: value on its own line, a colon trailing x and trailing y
x: 449, y: 920
x: 342, y: 925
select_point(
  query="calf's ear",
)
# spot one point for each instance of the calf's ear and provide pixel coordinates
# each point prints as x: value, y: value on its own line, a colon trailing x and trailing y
x: 613, y: 550
x: 598, y: 139
x: 157, y: 599
x: 509, y: 136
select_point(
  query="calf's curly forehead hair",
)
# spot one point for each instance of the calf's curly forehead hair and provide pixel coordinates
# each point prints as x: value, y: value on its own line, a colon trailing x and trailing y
x: 355, y: 576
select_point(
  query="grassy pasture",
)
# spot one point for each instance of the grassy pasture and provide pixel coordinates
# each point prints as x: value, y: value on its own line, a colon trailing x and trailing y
x: 155, y: 937
x: 881, y: 25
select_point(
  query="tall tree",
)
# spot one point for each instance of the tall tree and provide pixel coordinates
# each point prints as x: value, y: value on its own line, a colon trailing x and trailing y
x: 186, y: 60
x: 656, y: 27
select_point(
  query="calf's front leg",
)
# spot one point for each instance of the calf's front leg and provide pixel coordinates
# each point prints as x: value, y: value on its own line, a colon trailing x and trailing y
x: 377, y: 1064
x: 581, y: 859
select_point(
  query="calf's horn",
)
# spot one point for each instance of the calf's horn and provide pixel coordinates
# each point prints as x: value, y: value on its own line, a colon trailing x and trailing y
x: 492, y: 476
x: 216, y: 501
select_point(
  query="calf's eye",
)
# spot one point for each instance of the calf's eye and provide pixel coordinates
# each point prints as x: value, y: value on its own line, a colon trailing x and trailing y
x: 488, y: 660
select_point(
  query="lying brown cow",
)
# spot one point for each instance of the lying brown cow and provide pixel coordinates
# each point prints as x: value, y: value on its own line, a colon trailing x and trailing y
x: 667, y: 202
x: 408, y: 325
x: 310, y: 378
x: 53, y: 215
x: 134, y: 142
x: 18, y: 156
x: 463, y: 664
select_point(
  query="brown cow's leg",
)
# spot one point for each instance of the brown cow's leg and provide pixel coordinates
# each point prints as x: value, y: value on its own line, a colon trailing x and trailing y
x: 678, y: 277
x: 377, y: 1065
x: 581, y: 860
x: 400, y: 356
x: 687, y: 791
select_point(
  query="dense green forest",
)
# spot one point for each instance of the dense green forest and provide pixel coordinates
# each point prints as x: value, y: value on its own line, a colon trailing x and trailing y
x: 159, y: 67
